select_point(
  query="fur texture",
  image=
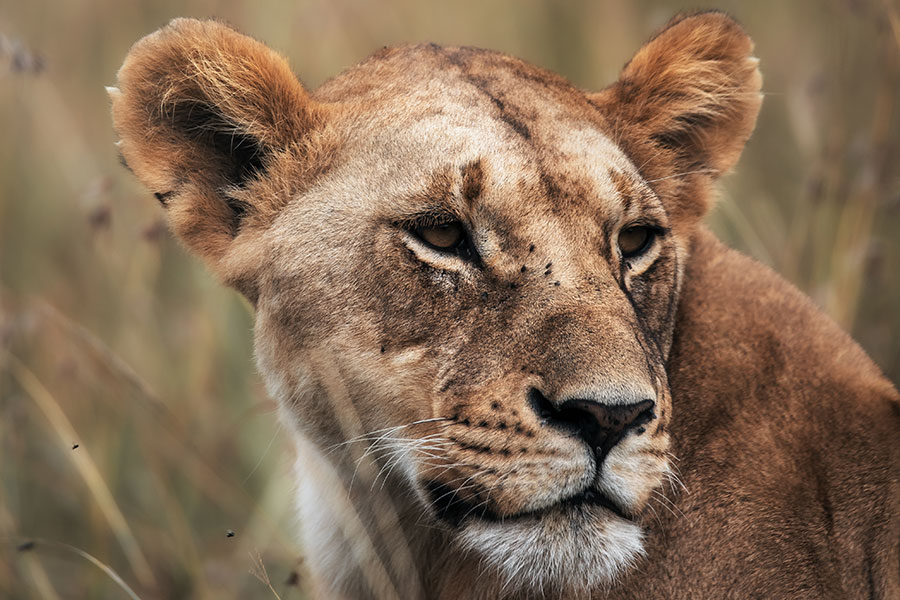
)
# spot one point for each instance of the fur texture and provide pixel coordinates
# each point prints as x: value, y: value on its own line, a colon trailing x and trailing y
x: 535, y: 412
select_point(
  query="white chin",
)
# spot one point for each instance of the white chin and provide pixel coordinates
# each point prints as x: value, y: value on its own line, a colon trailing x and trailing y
x: 568, y: 550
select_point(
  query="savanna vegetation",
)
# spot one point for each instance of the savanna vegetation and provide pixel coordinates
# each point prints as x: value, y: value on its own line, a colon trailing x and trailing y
x: 139, y: 455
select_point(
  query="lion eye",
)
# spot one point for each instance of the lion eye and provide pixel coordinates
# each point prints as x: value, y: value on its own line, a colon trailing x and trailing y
x: 635, y: 240
x: 446, y: 236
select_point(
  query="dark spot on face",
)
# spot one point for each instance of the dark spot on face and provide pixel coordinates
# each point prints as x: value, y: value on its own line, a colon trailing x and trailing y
x: 640, y: 430
x: 556, y: 283
x: 501, y: 425
x: 229, y: 533
x: 495, y: 406
x: 74, y: 446
x: 484, y: 295
x: 505, y: 452
x: 382, y: 349
x: 523, y: 269
x: 447, y: 384
x: 292, y: 580
x: 163, y: 198
x: 512, y: 285
x: 551, y: 188
x: 473, y: 177
x: 482, y: 424
x: 25, y: 546
x: 531, y: 248
x: 465, y: 422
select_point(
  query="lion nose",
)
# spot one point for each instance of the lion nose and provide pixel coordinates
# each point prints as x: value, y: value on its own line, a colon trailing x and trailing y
x: 600, y: 425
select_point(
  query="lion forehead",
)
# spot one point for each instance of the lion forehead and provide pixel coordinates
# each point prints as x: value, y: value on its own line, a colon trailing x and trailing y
x: 429, y: 89
x: 430, y: 110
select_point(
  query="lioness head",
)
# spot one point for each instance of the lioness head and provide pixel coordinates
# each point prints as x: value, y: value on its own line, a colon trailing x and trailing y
x: 460, y: 256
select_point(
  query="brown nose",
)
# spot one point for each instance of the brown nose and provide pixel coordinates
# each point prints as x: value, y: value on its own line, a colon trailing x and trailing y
x: 600, y: 425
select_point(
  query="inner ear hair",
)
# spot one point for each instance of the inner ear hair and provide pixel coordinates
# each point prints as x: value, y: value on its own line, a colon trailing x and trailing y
x: 685, y: 105
x: 237, y: 156
x: 243, y: 154
x: 202, y: 112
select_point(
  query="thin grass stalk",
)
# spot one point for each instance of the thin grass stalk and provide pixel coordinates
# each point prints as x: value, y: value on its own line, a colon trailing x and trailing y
x: 86, y: 467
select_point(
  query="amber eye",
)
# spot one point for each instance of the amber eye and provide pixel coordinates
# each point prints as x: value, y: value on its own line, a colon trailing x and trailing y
x: 446, y: 236
x: 635, y: 240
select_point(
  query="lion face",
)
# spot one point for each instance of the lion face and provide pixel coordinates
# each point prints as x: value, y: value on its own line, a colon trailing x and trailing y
x: 503, y: 296
x: 459, y: 261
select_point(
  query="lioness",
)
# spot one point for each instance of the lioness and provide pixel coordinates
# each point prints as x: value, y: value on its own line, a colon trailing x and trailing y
x: 513, y: 361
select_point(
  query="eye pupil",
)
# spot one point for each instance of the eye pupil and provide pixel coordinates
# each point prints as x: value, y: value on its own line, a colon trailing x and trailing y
x: 444, y: 236
x: 634, y: 240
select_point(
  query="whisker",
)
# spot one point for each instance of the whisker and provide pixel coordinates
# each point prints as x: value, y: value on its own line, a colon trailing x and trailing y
x: 378, y: 432
x: 669, y: 505
x: 685, y: 174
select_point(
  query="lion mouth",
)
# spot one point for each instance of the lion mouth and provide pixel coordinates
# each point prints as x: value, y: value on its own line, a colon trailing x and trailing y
x: 454, y: 510
x: 594, y: 498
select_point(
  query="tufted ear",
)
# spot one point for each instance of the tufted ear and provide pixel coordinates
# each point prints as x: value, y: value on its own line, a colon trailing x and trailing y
x: 684, y: 107
x: 202, y: 113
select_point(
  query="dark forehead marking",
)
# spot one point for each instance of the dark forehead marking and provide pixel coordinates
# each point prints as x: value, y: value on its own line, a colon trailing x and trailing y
x: 472, y: 180
x: 564, y: 191
x: 505, y: 116
x: 625, y: 186
x: 463, y: 58
x: 607, y: 243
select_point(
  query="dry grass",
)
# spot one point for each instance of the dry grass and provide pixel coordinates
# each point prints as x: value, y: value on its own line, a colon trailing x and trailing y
x: 111, y: 338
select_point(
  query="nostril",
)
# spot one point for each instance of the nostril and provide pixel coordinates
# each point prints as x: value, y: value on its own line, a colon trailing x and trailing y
x: 610, y: 420
x: 542, y: 407
x: 602, y: 426
x: 623, y: 416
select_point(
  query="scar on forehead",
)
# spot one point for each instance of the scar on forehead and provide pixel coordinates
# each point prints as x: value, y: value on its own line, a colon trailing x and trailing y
x: 472, y: 179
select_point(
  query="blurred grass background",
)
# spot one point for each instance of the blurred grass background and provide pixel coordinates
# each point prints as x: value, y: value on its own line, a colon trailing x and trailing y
x: 113, y: 339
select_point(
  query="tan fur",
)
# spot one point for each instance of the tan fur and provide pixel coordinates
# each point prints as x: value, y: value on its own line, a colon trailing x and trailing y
x: 413, y: 380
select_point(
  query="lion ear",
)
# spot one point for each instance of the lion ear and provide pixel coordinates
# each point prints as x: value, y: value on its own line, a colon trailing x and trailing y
x: 685, y: 105
x: 201, y: 111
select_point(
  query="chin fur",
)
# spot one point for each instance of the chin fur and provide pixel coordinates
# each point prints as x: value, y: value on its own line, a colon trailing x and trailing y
x: 569, y: 551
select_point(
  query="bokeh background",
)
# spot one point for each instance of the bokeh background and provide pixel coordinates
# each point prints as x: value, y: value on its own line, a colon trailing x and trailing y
x: 114, y: 340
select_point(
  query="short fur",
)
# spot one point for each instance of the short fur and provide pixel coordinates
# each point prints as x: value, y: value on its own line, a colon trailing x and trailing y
x: 418, y: 383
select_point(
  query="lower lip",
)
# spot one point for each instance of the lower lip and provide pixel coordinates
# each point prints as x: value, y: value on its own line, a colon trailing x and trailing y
x: 586, y: 498
x: 594, y: 498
